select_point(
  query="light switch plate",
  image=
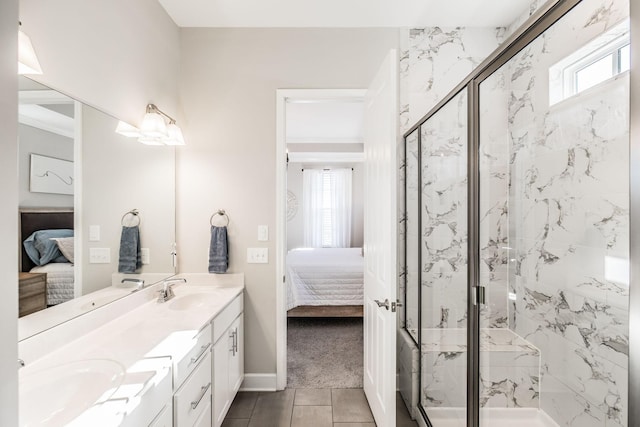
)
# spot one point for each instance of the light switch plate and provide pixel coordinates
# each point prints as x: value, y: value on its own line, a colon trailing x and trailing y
x: 257, y: 255
x: 99, y: 255
x: 263, y: 233
x: 94, y: 233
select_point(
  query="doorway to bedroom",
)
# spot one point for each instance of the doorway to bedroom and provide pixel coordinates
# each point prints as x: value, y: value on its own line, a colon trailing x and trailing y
x: 323, y: 263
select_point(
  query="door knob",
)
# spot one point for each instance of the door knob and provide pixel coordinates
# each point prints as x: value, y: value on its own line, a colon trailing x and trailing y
x: 384, y: 304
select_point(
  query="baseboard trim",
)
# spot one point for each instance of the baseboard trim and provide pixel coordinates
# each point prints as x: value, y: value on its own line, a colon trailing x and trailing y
x: 259, y: 382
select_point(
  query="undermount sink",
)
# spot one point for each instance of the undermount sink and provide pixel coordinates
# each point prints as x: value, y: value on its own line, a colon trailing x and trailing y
x: 191, y: 300
x: 58, y: 395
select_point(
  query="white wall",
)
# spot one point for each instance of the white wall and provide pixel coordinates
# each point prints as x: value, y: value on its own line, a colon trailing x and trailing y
x: 38, y: 141
x: 228, y: 81
x: 295, y: 227
x: 8, y: 212
x: 115, y: 55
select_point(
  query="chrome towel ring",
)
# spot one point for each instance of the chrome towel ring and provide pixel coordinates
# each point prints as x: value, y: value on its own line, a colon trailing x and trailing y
x: 220, y: 212
x: 134, y: 217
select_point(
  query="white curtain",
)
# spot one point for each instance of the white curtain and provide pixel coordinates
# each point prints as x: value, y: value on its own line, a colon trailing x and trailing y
x: 327, y: 198
x: 312, y: 207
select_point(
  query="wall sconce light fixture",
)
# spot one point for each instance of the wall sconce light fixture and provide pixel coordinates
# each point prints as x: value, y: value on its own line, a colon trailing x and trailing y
x: 154, y: 130
x: 27, y: 59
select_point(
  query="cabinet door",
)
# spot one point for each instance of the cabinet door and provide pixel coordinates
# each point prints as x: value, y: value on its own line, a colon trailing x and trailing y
x: 221, y: 358
x: 236, y: 363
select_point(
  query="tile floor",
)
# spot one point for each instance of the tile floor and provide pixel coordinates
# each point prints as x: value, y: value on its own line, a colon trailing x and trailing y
x: 306, y: 408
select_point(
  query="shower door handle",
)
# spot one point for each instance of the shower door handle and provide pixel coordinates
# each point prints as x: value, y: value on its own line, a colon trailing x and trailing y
x: 384, y: 304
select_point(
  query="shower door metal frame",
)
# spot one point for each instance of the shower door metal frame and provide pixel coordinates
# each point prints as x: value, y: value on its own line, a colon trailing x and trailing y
x: 406, y: 243
x: 537, y: 24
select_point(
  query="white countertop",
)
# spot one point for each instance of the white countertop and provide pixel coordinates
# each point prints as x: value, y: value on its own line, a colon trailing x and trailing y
x: 132, y: 337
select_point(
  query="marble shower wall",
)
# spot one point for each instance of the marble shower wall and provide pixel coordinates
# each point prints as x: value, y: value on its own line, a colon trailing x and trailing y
x: 556, y: 181
x: 444, y: 216
x: 434, y: 60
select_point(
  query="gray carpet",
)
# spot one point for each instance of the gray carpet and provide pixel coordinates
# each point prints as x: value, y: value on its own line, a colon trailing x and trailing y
x: 324, y: 353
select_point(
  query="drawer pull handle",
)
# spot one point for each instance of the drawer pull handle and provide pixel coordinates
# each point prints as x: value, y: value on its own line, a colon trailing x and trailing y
x: 234, y: 341
x: 202, y: 351
x: 204, y: 389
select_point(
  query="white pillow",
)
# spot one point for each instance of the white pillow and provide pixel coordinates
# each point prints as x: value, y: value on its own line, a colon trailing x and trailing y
x: 65, y: 244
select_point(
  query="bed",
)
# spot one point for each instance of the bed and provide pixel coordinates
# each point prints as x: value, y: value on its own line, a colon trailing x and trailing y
x: 324, y: 280
x: 60, y: 275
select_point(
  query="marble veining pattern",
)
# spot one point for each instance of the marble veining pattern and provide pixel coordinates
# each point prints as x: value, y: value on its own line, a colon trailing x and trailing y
x: 556, y: 206
x: 434, y: 60
x: 557, y: 180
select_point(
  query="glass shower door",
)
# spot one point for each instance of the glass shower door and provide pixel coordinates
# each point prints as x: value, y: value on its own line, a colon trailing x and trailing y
x: 444, y: 240
x: 554, y: 214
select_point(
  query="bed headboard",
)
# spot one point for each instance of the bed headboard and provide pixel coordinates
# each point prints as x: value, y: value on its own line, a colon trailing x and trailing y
x: 44, y: 219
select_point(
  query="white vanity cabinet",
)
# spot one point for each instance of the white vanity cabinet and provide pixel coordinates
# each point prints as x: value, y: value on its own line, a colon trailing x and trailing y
x: 228, y: 358
x: 164, y: 418
x: 192, y: 401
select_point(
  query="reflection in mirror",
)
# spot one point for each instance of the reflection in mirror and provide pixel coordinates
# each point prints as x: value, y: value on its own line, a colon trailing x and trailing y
x: 78, y: 180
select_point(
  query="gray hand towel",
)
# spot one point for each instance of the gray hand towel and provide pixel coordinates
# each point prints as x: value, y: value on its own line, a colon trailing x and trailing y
x: 130, y: 255
x: 218, y: 250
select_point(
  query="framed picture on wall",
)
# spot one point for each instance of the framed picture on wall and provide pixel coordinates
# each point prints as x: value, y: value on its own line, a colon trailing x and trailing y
x: 50, y: 175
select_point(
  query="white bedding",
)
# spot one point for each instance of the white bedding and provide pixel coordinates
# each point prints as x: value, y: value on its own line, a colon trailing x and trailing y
x: 325, y: 276
x: 59, y: 281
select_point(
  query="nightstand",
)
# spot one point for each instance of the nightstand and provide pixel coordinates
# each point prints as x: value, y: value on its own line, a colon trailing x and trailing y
x: 32, y: 293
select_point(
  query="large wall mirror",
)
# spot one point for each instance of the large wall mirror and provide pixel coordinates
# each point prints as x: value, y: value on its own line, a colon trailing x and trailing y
x: 80, y: 183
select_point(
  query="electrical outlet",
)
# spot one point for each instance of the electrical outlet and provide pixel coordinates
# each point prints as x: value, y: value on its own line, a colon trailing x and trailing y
x: 99, y: 255
x: 257, y: 255
x: 145, y: 254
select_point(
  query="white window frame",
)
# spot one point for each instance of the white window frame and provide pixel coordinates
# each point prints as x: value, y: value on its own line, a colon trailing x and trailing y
x: 613, y: 49
x: 563, y: 82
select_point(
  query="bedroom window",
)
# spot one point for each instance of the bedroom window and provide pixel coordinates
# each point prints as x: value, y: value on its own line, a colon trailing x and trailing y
x: 327, y: 207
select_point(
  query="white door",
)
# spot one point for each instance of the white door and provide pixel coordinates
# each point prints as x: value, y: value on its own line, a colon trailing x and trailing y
x: 380, y: 225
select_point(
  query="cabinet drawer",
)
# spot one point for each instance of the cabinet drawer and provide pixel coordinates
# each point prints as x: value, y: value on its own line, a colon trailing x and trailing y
x: 194, y: 397
x: 205, y: 418
x: 223, y: 320
x: 185, y: 365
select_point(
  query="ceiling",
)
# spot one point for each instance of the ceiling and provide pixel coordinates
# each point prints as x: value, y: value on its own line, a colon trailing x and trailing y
x: 343, y: 13
x: 328, y: 122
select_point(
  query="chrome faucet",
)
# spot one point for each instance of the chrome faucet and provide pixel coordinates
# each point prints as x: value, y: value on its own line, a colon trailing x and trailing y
x: 166, y: 293
x: 139, y: 283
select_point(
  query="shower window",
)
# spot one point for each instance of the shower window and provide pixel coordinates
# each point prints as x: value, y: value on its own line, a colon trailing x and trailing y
x: 584, y: 67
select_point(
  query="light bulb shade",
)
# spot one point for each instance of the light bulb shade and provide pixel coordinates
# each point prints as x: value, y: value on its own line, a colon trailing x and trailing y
x: 175, y: 135
x: 128, y: 130
x: 153, y: 126
x: 150, y: 140
x: 27, y: 59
